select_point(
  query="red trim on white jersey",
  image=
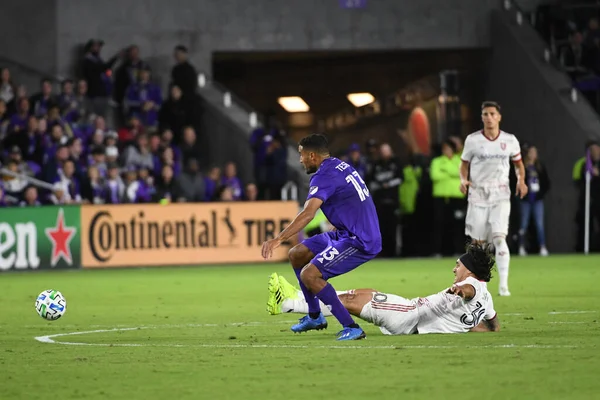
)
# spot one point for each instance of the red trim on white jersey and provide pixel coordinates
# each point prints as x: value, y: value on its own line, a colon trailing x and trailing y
x: 494, y: 317
x: 516, y: 158
x: 491, y: 140
x: 392, y: 307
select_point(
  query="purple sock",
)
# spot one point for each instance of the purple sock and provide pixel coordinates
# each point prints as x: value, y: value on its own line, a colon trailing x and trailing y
x: 330, y: 298
x: 311, y: 300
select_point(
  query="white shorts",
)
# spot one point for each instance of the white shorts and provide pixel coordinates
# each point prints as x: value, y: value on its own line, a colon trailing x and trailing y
x: 482, y: 222
x: 394, y: 315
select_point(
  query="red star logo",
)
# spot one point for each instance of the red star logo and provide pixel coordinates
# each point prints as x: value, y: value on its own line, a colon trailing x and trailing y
x: 60, y: 236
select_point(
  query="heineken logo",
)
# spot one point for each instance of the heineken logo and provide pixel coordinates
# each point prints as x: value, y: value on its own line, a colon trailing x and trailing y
x: 61, y: 235
x: 40, y: 237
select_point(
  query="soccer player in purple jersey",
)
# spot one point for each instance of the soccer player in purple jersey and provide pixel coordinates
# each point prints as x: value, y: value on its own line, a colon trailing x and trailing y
x: 339, y: 191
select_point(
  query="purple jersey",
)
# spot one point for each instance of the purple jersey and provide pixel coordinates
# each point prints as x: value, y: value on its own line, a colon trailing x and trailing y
x: 347, y: 203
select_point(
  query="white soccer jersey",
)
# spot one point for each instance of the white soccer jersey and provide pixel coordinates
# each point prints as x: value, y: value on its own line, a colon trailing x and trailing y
x: 449, y: 313
x: 490, y: 162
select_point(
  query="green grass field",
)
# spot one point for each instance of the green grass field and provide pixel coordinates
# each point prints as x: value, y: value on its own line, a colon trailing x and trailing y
x: 203, y: 333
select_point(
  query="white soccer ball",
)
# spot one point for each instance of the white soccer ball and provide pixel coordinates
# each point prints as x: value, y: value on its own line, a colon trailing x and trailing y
x: 51, y: 304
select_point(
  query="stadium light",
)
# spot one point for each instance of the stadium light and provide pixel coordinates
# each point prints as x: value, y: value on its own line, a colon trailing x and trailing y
x: 293, y: 104
x: 360, y: 99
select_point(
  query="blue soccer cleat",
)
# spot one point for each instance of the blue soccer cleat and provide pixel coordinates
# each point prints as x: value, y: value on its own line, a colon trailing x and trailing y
x: 351, y: 334
x: 308, y: 324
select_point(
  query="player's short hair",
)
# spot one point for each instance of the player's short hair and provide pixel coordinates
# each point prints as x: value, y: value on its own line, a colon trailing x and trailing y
x: 479, y: 259
x: 316, y: 142
x: 493, y: 104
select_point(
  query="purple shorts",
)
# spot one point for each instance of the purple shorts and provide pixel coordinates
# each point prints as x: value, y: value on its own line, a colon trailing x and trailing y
x: 335, y: 253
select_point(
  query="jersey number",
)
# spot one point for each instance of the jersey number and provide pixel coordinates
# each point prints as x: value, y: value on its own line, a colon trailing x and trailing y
x: 475, y: 317
x: 328, y: 254
x: 362, y: 191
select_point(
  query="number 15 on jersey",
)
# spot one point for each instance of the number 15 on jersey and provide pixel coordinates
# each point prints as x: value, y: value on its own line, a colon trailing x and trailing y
x: 359, y: 185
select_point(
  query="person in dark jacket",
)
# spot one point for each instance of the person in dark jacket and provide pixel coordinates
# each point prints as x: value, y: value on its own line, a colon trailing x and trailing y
x: 276, y: 164
x: 128, y: 73
x: 533, y: 204
x: 94, y: 72
x: 384, y: 178
x: 174, y: 114
x: 184, y: 74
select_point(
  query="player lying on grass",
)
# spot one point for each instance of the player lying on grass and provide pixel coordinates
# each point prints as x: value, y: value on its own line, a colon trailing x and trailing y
x: 465, y: 306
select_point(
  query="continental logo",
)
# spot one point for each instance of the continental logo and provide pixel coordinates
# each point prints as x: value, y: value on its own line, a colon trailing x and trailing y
x: 178, y: 234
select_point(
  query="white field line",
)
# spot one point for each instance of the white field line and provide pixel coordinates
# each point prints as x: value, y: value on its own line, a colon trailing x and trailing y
x: 50, y: 339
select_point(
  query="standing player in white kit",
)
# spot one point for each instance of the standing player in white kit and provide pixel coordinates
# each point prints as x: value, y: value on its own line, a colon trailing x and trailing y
x: 484, y: 175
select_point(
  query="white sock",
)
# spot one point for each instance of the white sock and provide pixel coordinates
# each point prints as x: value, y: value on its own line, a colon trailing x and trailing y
x: 502, y: 260
x: 300, y: 306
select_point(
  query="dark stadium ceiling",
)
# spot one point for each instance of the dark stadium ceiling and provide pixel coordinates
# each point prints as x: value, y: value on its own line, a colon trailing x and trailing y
x: 323, y: 79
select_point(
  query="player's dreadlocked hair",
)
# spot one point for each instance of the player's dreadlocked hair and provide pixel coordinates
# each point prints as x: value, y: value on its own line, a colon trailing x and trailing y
x: 479, y: 259
x: 316, y: 142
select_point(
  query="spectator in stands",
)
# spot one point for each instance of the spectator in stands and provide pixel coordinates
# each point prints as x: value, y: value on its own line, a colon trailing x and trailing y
x: 448, y: 202
x: 94, y: 71
x: 54, y: 118
x: 260, y: 140
x: 174, y: 114
x: 191, y: 182
x: 166, y: 140
x: 212, y: 182
x: 53, y: 166
x: 190, y: 148
x: 16, y: 155
x: 231, y: 180
x: 166, y: 187
x: 131, y: 184
x: 154, y: 143
x: 167, y: 157
x: 93, y: 189
x: 225, y: 193
x: 133, y: 129
x: 384, y: 178
x: 7, y: 88
x: 30, y: 197
x: 13, y: 185
x: 4, y: 119
x: 575, y: 57
x: 68, y: 103
x: 184, y: 74
x: 40, y: 102
x: 372, y: 152
x: 251, y: 192
x: 13, y: 106
x: 146, y: 188
x: 84, y: 104
x: 76, y: 155
x: 128, y: 73
x: 112, y: 154
x: 357, y: 160
x: 98, y: 160
x: 69, y: 182
x: 115, y: 189
x: 29, y: 142
x: 139, y: 153
x: 59, y: 195
x: 56, y: 139
x: 276, y: 163
x: 143, y: 99
x: 18, y: 121
x: 533, y: 204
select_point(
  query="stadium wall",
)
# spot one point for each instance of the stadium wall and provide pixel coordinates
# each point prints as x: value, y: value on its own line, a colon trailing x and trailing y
x: 537, y: 107
x: 206, y: 26
x: 141, y: 235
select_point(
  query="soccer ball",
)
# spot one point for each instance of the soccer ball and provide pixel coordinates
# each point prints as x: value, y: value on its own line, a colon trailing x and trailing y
x: 51, y: 304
